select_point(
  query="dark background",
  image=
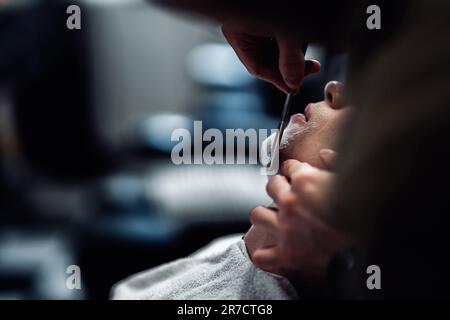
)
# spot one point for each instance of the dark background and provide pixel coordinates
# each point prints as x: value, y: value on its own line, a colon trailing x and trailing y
x: 85, y: 122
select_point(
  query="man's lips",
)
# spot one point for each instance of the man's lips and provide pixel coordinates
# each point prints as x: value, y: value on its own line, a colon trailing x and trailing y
x: 302, y: 118
x: 299, y: 118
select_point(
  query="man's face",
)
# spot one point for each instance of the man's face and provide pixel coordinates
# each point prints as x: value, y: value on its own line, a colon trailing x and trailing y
x: 318, y: 128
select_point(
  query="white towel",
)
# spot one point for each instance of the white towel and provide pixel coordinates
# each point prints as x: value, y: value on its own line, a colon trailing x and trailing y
x: 221, y: 270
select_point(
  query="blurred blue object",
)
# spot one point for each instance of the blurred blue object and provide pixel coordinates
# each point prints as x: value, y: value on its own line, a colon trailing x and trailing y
x: 233, y: 101
x: 137, y: 227
x: 156, y: 130
x: 124, y: 192
x: 202, y: 193
x: 233, y: 109
x: 216, y: 64
x: 33, y: 266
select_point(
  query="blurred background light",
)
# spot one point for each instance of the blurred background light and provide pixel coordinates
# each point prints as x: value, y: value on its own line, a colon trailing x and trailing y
x: 156, y: 130
x: 216, y: 64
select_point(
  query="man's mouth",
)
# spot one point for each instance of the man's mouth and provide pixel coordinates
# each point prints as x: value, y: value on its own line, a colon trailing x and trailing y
x: 301, y: 118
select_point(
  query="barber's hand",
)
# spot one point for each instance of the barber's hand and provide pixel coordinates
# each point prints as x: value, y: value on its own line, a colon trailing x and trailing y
x: 328, y: 158
x: 270, y: 54
x: 304, y: 243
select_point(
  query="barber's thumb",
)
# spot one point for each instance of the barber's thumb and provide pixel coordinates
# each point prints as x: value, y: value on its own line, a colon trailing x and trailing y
x: 311, y: 67
x: 291, y: 62
x: 328, y: 158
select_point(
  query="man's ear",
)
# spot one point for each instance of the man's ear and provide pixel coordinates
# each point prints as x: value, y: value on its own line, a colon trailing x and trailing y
x: 328, y: 158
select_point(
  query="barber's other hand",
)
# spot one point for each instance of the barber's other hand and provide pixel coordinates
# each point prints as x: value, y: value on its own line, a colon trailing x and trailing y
x: 268, y: 54
x: 305, y: 243
x: 328, y: 158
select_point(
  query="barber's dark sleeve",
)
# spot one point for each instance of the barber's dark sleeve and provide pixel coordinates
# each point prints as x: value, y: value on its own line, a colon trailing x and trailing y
x: 330, y: 22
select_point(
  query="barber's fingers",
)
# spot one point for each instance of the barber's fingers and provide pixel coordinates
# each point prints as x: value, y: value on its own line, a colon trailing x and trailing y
x: 314, y: 192
x: 277, y: 186
x: 299, y: 173
x: 265, y: 218
x: 309, y: 186
x: 291, y: 61
x: 328, y: 158
x: 269, y: 55
x: 273, y: 76
x: 267, y: 259
x: 291, y: 167
x: 258, y: 64
x: 291, y: 216
x: 312, y: 66
x: 256, y: 50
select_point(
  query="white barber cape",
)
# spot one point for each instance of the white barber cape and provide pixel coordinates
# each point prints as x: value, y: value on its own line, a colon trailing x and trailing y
x: 221, y: 270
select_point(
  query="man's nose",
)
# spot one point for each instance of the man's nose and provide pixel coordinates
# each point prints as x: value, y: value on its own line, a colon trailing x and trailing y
x: 334, y: 94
